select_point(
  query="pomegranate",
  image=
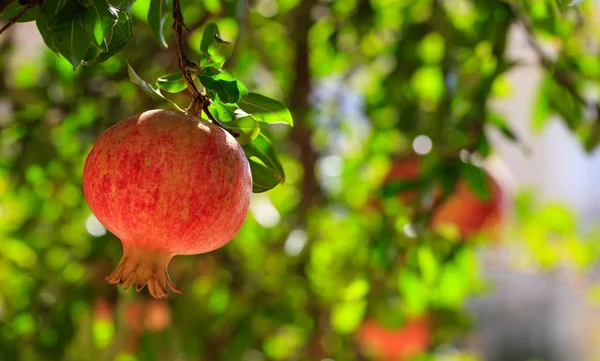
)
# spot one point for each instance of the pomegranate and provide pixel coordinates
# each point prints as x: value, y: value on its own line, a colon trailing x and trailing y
x: 395, y: 345
x: 157, y: 316
x: 463, y: 208
x: 166, y: 184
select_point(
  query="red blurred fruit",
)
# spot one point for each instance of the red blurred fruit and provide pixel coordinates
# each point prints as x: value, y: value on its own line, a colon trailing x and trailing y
x: 166, y: 184
x: 406, y: 169
x: 157, y: 316
x: 468, y: 212
x: 132, y: 314
x: 103, y: 309
x: 463, y: 209
x: 385, y: 344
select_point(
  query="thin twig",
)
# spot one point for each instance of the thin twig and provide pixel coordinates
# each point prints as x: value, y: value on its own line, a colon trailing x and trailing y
x: 18, y: 16
x: 200, y: 102
x: 184, y: 62
x: 560, y: 76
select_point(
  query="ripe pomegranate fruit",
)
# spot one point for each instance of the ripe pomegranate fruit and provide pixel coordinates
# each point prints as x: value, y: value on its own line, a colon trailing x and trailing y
x: 386, y: 344
x: 463, y: 208
x: 166, y: 184
x: 157, y: 316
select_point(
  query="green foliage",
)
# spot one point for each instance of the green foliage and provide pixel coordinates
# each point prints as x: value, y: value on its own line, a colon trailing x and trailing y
x: 157, y: 17
x: 266, y: 169
x: 87, y: 32
x: 15, y: 8
x: 152, y: 90
x: 476, y: 179
x: 320, y: 253
x: 265, y: 109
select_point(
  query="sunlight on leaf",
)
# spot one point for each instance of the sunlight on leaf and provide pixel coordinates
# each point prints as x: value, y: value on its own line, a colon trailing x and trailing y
x: 267, y: 171
x: 98, y: 20
x: 121, y: 36
x: 266, y: 109
x: 151, y: 90
x: 172, y: 83
x: 246, y: 127
x: 158, y: 14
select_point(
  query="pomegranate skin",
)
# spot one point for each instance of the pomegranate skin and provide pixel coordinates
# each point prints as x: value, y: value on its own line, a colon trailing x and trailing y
x: 166, y: 183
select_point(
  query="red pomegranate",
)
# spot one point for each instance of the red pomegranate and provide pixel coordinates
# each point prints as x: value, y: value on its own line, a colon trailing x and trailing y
x: 463, y: 208
x: 385, y: 344
x: 157, y: 316
x: 166, y: 184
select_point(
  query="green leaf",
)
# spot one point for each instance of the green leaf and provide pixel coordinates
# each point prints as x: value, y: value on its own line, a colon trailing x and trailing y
x: 392, y: 188
x: 72, y: 43
x: 86, y: 3
x: 172, y: 83
x: 15, y: 9
x: 347, y: 316
x: 591, y: 135
x: 542, y: 106
x: 158, y: 13
x: 66, y: 38
x: 98, y: 20
x: 210, y: 31
x: 151, y: 90
x: 246, y: 127
x: 121, y: 36
x: 221, y: 112
x: 67, y: 14
x: 357, y: 290
x: 51, y: 7
x: 219, y: 52
x: 209, y: 71
x: 124, y: 5
x: 69, y: 41
x: 500, y: 123
x: 225, y: 85
x: 566, y: 105
x: 266, y: 109
x: 476, y: 179
x: 564, y: 5
x: 428, y: 264
x: 413, y: 292
x: 267, y: 171
x: 554, y: 98
x: 216, y: 50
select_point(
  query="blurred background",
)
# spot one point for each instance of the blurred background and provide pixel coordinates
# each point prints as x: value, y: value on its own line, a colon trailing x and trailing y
x: 440, y: 201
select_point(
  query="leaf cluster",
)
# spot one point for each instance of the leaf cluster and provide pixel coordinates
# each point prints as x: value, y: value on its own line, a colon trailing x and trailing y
x: 239, y: 111
x: 85, y: 32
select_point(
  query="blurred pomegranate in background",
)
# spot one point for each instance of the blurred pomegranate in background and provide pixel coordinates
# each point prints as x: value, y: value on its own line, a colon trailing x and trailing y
x: 469, y: 213
x: 385, y: 344
x: 463, y: 209
x: 103, y: 309
x: 132, y: 315
x: 157, y: 316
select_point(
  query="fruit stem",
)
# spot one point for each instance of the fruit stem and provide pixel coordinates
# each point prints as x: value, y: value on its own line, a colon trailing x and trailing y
x: 200, y: 102
x: 184, y: 62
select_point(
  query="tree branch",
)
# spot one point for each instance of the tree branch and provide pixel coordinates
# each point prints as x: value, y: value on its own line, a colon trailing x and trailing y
x: 561, y: 76
x: 18, y: 16
x: 200, y: 102
x: 302, y: 133
x: 184, y: 63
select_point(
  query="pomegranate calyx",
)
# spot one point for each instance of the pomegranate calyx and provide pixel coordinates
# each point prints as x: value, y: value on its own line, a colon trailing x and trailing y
x: 142, y: 266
